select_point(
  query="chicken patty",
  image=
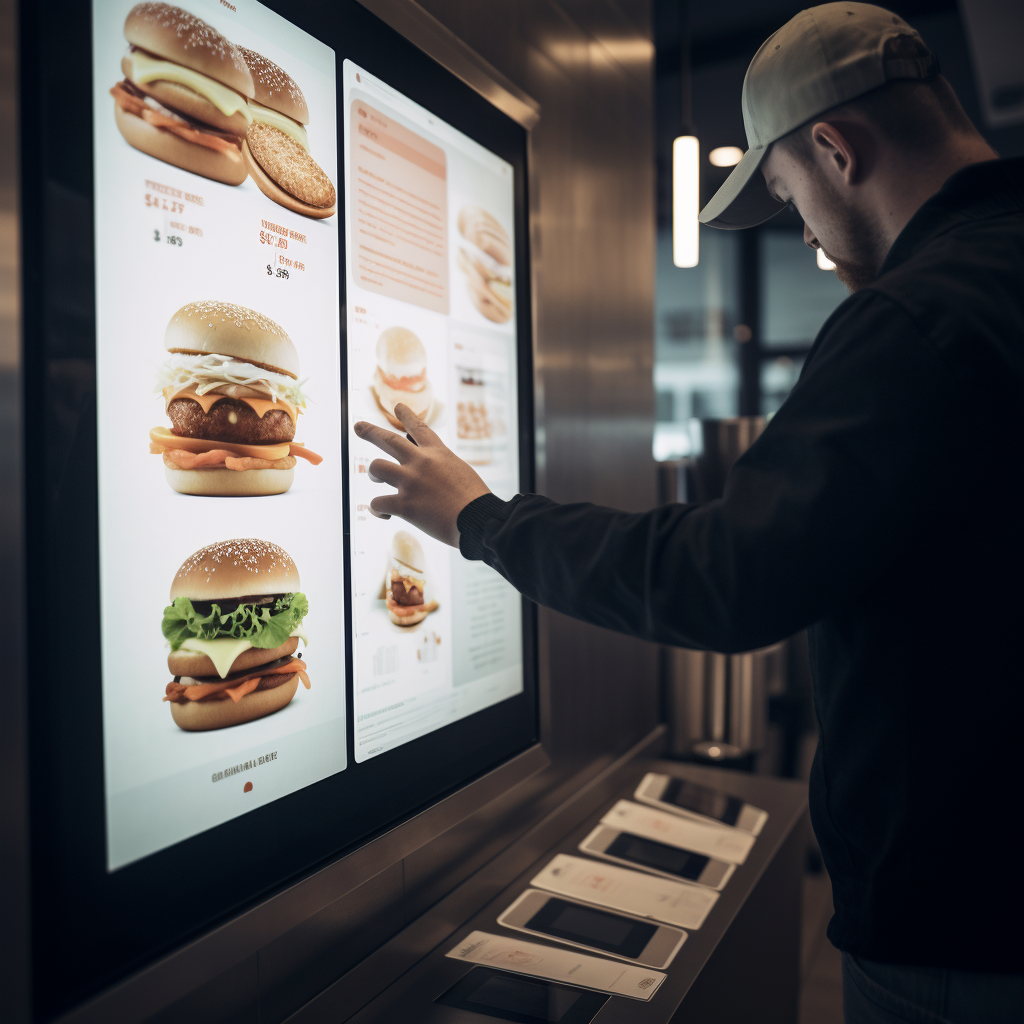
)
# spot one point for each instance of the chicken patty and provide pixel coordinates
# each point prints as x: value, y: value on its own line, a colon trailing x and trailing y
x: 230, y: 420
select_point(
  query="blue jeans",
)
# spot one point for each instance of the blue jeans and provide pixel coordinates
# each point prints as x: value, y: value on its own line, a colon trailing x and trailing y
x: 875, y: 993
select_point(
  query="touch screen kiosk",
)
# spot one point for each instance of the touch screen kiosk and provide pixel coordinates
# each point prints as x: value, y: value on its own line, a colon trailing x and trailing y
x: 269, y: 224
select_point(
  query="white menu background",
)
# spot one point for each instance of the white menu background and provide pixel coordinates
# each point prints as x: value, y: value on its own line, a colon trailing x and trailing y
x: 166, y: 237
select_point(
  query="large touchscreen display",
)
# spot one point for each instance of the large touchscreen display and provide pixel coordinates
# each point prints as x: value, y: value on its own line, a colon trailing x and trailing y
x: 431, y: 318
x: 219, y: 415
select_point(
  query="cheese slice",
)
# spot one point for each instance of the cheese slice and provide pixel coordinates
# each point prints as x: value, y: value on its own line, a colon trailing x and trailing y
x: 261, y: 406
x: 223, y: 651
x: 282, y: 122
x: 151, y: 69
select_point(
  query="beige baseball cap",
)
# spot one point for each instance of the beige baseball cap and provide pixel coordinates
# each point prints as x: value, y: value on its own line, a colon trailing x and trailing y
x: 821, y: 58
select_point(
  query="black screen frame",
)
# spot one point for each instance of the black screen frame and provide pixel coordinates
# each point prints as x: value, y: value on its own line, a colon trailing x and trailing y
x: 90, y: 927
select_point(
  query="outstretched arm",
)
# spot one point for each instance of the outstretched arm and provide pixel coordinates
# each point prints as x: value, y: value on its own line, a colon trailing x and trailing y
x: 848, y: 477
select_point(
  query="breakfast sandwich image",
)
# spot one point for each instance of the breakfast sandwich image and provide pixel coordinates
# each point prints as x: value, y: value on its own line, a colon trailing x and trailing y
x: 231, y: 391
x: 185, y: 94
x: 485, y: 257
x: 405, y: 591
x: 233, y: 626
x: 401, y: 376
x: 276, y: 149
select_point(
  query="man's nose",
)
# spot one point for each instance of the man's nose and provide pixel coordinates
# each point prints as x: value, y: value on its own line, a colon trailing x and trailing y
x: 809, y: 238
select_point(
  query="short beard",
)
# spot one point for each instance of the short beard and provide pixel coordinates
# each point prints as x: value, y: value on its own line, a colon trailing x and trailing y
x: 865, y: 244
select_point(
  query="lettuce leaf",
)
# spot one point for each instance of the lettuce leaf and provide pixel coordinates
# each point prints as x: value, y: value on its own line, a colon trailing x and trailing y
x: 264, y: 626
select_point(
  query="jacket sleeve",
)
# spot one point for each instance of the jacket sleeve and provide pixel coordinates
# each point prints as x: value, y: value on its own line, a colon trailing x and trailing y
x: 849, y: 475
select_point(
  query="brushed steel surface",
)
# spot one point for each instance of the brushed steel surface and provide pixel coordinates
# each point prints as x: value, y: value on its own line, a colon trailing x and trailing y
x: 749, y: 944
x: 575, y: 804
x: 14, y: 840
x: 419, y: 27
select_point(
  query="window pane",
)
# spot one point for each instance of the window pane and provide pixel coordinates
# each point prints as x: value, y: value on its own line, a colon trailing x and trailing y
x: 696, y: 314
x: 797, y: 297
x: 777, y: 379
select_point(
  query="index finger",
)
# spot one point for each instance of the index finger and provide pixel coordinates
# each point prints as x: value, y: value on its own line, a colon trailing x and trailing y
x: 417, y: 429
x: 394, y: 444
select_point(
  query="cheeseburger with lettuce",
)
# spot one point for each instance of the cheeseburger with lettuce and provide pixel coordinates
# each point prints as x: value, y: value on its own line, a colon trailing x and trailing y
x: 233, y: 625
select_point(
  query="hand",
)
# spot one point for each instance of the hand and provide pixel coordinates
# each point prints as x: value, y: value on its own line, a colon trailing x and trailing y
x: 434, y: 484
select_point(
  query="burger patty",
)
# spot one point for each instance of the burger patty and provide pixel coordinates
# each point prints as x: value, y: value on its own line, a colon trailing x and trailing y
x: 230, y: 420
x: 408, y: 597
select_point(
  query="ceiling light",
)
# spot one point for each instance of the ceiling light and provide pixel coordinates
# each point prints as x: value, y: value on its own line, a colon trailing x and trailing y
x: 726, y: 156
x: 824, y: 263
x: 685, y: 200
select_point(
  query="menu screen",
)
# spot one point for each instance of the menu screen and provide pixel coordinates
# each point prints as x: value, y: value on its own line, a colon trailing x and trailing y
x: 432, y: 324
x: 219, y: 415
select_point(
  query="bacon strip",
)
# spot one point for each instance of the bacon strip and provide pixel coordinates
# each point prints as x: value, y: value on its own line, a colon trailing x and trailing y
x: 134, y: 105
x: 193, y: 460
x: 403, y: 609
x: 297, y: 448
x: 236, y: 689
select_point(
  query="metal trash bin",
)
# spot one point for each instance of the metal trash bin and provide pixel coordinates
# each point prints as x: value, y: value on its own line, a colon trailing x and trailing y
x: 716, y: 704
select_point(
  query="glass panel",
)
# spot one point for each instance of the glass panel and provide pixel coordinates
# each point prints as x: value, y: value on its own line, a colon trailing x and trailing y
x: 696, y: 314
x: 777, y: 379
x: 797, y: 297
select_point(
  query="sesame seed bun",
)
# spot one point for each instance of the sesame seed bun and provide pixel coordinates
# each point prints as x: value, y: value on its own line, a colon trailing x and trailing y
x: 196, y: 665
x: 174, y: 34
x: 245, y: 567
x: 198, y: 716
x: 274, y: 87
x: 225, y: 166
x: 210, y: 326
x: 213, y: 482
x: 287, y: 174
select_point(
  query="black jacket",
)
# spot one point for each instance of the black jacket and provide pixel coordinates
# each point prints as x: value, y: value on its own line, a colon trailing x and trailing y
x: 882, y: 508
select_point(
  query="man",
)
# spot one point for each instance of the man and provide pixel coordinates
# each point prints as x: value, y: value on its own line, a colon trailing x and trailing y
x: 881, y: 508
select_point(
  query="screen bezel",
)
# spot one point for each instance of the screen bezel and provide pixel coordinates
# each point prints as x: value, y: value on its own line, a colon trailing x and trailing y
x: 91, y: 927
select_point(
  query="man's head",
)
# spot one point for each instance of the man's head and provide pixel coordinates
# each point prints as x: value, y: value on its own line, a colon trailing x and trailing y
x: 855, y: 170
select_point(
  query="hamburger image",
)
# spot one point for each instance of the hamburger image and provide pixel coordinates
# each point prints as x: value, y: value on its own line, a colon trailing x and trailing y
x: 405, y: 582
x: 232, y: 393
x: 276, y: 150
x: 233, y: 625
x: 401, y: 375
x: 184, y: 98
x: 486, y: 260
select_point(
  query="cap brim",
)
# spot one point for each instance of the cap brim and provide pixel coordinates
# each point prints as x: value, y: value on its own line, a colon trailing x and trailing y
x: 743, y: 201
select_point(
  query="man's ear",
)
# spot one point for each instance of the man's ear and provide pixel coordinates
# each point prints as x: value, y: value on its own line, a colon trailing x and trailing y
x: 836, y: 146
